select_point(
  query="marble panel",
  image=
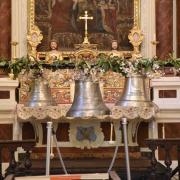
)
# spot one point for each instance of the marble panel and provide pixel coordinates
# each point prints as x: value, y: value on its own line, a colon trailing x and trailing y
x: 164, y: 27
x: 5, y: 27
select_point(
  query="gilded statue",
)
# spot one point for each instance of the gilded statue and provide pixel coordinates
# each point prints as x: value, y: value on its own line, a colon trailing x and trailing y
x: 114, y: 46
x: 53, y: 54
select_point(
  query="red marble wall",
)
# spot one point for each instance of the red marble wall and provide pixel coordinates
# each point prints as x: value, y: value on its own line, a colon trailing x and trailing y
x: 164, y: 27
x: 5, y: 28
x: 5, y: 51
x: 178, y: 28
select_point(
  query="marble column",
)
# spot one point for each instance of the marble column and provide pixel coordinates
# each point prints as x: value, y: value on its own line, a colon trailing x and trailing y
x: 148, y: 27
x: 164, y: 27
x: 178, y: 27
x: 5, y: 28
x: 19, y: 24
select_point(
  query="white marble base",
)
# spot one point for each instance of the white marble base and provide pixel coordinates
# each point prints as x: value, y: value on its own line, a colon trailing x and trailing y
x: 8, y: 85
x: 8, y: 106
x: 166, y: 83
x: 169, y: 107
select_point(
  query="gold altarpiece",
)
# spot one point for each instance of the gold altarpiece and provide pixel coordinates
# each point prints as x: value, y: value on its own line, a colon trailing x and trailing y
x: 35, y: 35
x: 62, y: 89
x: 113, y: 84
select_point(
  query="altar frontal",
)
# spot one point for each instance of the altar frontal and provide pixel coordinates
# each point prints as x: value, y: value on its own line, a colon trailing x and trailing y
x: 99, y: 176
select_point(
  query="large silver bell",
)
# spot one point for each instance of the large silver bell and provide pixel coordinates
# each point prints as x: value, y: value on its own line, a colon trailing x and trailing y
x: 87, y: 100
x: 40, y: 94
x: 135, y: 93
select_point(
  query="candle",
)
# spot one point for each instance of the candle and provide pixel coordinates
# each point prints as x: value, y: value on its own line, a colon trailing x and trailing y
x: 111, y: 134
x: 163, y: 131
x: 14, y: 44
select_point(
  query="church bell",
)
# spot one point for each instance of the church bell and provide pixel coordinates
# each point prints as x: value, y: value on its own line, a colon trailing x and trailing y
x: 87, y: 100
x: 135, y: 93
x: 40, y: 94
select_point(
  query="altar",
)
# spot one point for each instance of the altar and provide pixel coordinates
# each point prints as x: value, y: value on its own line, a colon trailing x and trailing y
x: 39, y: 33
x: 39, y: 30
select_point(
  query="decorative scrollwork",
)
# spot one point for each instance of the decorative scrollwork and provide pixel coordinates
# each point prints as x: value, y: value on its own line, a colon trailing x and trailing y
x: 136, y: 37
x: 34, y: 38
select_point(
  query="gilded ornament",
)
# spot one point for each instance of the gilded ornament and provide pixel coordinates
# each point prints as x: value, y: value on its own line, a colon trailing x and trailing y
x: 31, y: 24
x: 34, y: 38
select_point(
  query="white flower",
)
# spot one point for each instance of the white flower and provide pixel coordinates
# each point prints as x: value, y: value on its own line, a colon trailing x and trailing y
x: 155, y: 66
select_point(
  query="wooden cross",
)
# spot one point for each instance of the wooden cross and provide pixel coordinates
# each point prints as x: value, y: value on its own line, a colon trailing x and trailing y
x: 86, y: 18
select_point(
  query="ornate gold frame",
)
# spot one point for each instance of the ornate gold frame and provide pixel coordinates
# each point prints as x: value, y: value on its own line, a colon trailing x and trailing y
x: 35, y: 36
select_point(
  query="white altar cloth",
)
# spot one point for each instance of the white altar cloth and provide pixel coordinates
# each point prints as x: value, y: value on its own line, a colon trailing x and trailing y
x: 98, y: 176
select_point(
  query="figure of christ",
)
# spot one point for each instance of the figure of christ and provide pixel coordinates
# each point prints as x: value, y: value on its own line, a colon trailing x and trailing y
x: 109, y: 12
x: 78, y: 9
x: 65, y: 14
x: 111, y: 18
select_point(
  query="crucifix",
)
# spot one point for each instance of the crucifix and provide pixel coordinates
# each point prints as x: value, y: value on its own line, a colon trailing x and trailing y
x: 86, y: 18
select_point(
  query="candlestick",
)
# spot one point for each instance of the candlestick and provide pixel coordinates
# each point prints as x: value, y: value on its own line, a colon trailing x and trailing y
x: 154, y: 41
x: 14, y: 44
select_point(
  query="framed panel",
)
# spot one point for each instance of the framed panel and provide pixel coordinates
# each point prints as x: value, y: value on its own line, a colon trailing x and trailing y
x: 59, y: 19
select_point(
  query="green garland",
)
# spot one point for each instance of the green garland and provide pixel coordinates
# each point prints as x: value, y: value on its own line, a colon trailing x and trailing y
x: 4, y: 65
x: 3, y: 62
x: 103, y: 62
